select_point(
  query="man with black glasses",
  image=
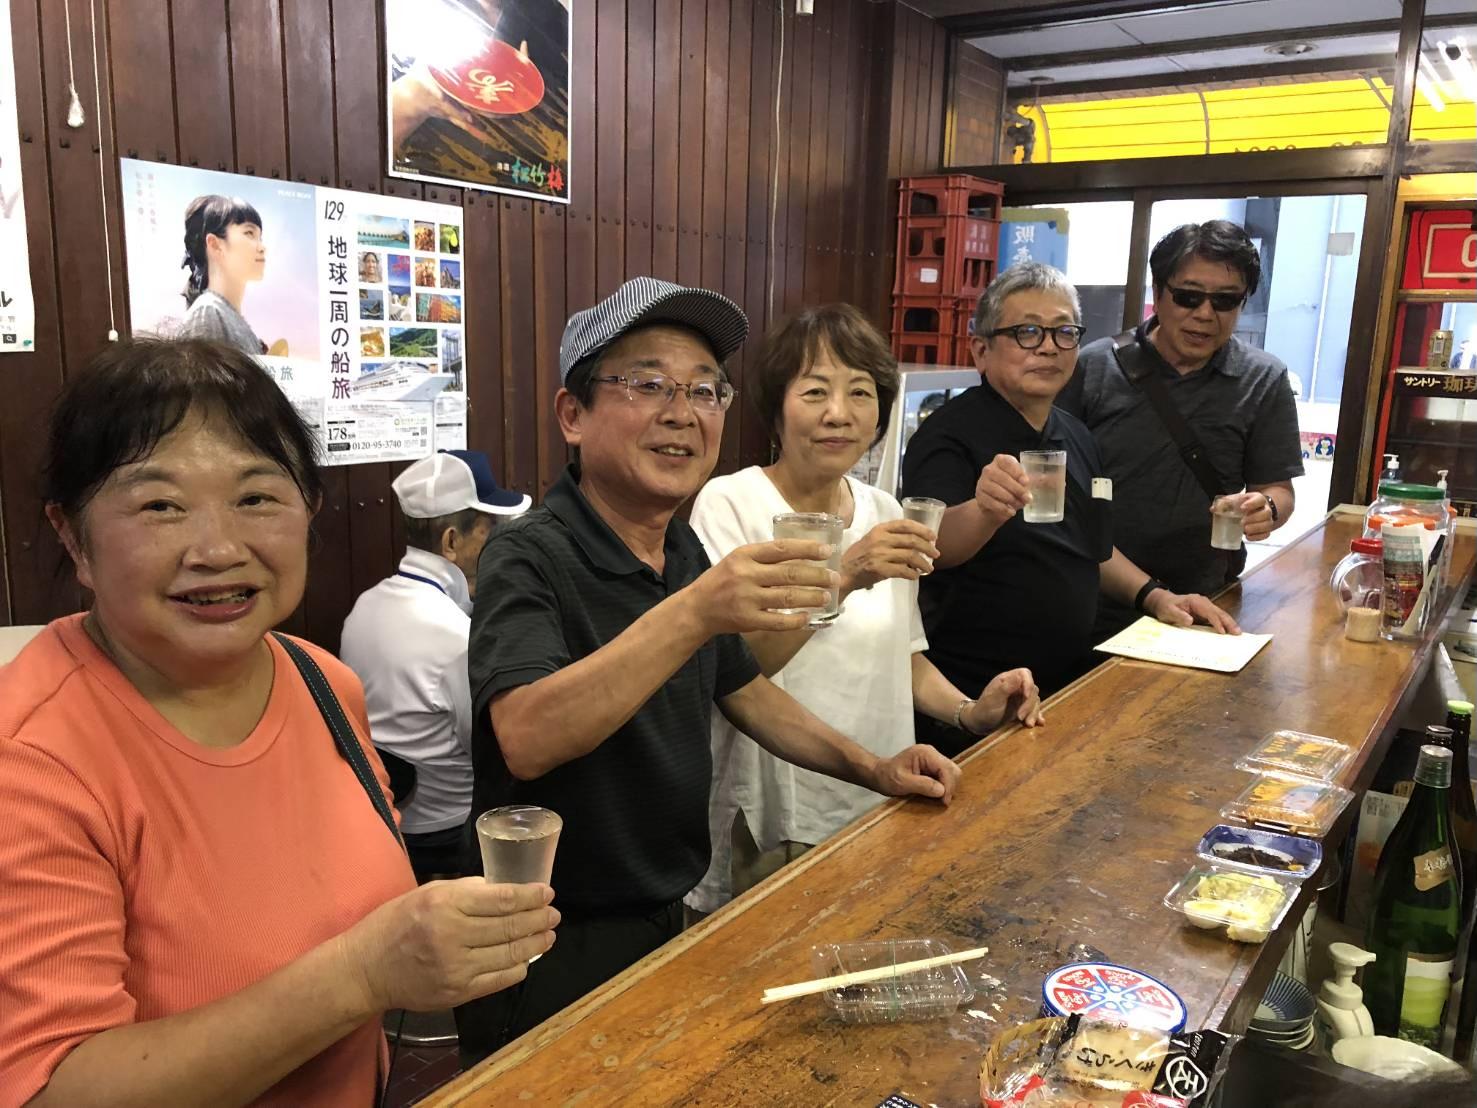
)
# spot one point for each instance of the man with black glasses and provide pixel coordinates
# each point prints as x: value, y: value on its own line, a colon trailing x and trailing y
x: 1184, y: 411
x: 602, y: 640
x: 1006, y: 592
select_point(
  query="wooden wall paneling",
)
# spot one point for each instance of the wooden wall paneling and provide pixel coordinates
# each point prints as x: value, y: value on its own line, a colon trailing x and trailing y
x: 666, y: 81
x: 715, y: 143
x: 609, y: 59
x: 519, y: 335
x: 918, y: 62
x: 143, y: 100
x: 34, y: 589
x: 483, y: 302
x: 358, y: 105
x: 79, y: 220
x: 736, y: 160
x: 862, y: 169
x: 797, y: 167
x: 817, y: 220
x: 259, y: 113
x: 549, y: 319
x: 938, y: 67
x: 200, y: 36
x: 830, y: 259
x: 723, y: 231
x: 753, y: 436
x: 579, y: 220
x: 690, y: 113
x: 308, y: 75
x: 893, y: 30
x: 640, y: 118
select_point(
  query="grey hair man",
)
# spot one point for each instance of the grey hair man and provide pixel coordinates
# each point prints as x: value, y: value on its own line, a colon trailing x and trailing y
x: 1180, y: 387
x: 1005, y: 592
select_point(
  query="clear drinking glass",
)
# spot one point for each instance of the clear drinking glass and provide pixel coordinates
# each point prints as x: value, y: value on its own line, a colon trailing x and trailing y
x: 927, y: 511
x: 815, y: 527
x: 518, y: 844
x: 1046, y: 475
x: 1227, y: 524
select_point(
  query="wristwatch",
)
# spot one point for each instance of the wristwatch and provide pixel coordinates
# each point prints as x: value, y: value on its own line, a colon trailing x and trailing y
x: 1149, y: 586
x: 1271, y: 507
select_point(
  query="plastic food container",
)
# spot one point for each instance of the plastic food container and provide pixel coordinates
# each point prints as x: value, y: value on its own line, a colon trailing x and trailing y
x: 1400, y: 504
x: 1246, y: 907
x: 1357, y: 580
x: 921, y: 995
x: 1101, y: 990
x: 1300, y: 754
x: 1285, y: 857
x: 1284, y: 802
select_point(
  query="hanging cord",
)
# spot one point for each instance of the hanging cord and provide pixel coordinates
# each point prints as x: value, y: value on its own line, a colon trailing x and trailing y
x: 74, y: 102
x: 102, y: 177
x: 774, y: 188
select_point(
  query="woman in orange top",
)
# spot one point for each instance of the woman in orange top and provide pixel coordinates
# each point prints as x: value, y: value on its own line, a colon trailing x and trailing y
x: 205, y: 902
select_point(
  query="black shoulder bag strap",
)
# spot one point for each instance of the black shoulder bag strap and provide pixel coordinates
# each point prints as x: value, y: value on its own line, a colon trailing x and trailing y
x: 1130, y: 358
x: 338, y: 726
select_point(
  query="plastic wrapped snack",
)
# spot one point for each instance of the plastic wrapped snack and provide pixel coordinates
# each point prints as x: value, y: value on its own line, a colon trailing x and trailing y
x: 1298, y: 753
x: 1077, y: 1063
x: 1295, y: 804
x: 1249, y: 906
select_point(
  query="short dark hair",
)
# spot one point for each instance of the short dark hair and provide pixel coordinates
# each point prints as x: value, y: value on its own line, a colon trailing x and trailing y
x: 426, y: 533
x: 1215, y: 240
x: 137, y: 392
x: 793, y: 346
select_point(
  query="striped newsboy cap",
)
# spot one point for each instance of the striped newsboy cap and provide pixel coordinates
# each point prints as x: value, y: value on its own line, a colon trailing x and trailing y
x: 643, y: 301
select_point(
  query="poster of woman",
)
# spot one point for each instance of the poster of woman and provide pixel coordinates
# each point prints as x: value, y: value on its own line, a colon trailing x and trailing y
x: 478, y: 94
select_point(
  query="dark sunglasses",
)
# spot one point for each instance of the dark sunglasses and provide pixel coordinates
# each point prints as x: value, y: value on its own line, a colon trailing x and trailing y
x: 1191, y: 299
x: 1029, y: 336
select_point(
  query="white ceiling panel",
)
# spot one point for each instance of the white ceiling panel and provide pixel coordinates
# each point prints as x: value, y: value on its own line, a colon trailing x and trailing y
x: 1254, y: 16
x: 1049, y: 40
x: 1451, y: 7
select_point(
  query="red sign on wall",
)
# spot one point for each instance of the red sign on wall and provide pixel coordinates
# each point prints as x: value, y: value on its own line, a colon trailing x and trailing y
x: 1441, y: 252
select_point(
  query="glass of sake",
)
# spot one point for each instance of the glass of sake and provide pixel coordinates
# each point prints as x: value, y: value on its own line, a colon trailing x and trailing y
x: 815, y: 527
x: 518, y: 844
x: 927, y: 511
x: 1046, y: 477
x: 1227, y: 523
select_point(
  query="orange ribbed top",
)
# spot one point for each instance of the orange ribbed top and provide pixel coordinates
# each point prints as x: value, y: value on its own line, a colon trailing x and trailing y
x: 145, y: 874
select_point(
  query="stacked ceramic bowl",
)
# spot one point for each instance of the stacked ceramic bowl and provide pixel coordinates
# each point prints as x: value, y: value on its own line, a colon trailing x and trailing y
x: 1285, y: 1015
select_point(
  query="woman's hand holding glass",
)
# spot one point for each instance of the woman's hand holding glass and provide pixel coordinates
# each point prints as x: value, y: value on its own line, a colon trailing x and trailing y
x: 448, y: 942
x: 1011, y: 696
x: 897, y: 548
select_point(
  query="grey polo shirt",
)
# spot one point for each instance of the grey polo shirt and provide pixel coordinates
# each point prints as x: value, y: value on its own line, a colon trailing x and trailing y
x: 1240, y: 406
x: 554, y: 586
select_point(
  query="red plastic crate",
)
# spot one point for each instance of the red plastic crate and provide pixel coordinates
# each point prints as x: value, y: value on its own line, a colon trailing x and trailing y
x: 922, y: 349
x: 945, y: 255
x: 927, y: 315
x: 950, y: 194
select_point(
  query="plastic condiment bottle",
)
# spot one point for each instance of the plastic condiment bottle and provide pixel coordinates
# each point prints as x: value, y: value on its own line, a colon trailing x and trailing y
x: 1341, y: 1010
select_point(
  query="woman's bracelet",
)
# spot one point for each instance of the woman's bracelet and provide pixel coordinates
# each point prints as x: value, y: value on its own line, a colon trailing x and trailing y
x: 964, y: 705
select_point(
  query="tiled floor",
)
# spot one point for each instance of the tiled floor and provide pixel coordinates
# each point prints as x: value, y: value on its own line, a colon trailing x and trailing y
x: 417, y: 1070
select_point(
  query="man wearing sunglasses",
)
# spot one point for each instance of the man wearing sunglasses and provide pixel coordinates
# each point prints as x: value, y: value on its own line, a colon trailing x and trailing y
x: 1183, y: 410
x: 1006, y: 592
x: 602, y: 640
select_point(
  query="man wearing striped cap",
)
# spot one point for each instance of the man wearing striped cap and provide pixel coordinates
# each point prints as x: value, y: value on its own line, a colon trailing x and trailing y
x: 603, y: 638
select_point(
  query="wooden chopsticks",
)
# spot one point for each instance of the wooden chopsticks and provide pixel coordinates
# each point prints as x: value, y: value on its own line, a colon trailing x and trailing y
x: 863, y: 977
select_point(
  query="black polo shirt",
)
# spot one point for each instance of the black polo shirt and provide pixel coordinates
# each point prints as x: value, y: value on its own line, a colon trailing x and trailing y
x: 1241, y: 408
x: 1028, y: 597
x: 554, y: 586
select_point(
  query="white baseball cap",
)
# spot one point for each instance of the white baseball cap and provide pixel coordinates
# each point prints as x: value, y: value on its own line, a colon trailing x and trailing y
x: 454, y: 481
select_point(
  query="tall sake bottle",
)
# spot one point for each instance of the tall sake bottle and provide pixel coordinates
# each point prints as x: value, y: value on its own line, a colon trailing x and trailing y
x: 1416, y: 919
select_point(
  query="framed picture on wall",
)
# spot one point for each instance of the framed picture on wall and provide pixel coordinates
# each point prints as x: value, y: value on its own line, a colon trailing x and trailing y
x: 478, y: 94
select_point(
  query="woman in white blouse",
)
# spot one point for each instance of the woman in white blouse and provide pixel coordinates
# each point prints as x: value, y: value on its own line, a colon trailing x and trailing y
x: 825, y: 382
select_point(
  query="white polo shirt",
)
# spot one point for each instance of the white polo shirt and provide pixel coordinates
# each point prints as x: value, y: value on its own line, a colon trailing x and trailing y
x: 406, y: 638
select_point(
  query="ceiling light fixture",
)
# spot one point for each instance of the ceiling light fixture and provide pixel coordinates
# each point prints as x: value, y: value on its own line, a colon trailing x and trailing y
x: 1291, y: 49
x: 1426, y: 81
x: 1454, y: 57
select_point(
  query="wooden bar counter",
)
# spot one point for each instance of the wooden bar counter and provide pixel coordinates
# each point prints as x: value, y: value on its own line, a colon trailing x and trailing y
x: 1064, y: 835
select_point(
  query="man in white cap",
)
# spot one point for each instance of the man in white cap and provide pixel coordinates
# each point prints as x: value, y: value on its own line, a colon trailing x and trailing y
x: 406, y: 638
x: 602, y: 639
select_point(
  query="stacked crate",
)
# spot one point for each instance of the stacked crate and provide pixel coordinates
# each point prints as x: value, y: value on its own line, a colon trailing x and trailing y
x: 948, y: 241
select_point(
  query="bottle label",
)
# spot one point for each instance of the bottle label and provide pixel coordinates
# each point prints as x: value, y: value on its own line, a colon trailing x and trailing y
x: 1403, y: 789
x: 1433, y: 868
x: 1423, y: 1001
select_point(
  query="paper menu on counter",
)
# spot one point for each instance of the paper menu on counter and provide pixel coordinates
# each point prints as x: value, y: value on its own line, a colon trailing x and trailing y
x: 1148, y: 640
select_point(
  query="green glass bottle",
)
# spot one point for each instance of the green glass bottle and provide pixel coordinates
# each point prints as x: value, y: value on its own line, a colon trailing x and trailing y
x: 1415, y: 920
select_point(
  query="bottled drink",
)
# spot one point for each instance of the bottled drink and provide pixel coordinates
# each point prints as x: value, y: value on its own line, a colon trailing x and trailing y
x: 1463, y: 807
x: 1415, y: 920
x: 1459, y: 719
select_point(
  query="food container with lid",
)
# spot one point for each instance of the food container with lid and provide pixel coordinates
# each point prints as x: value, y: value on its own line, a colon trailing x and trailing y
x: 1286, y: 857
x: 1356, y: 581
x: 916, y: 995
x: 1299, y: 754
x: 1245, y: 907
x: 1103, y: 991
x: 1287, y: 803
x: 1400, y: 503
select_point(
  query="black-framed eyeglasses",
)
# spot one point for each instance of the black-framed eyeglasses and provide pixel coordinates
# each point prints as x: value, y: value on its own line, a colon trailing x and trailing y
x: 651, y: 387
x: 1028, y: 336
x: 1190, y: 299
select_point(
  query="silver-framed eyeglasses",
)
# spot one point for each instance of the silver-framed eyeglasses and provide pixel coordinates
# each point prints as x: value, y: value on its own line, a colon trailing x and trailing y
x: 651, y: 387
x: 1028, y: 336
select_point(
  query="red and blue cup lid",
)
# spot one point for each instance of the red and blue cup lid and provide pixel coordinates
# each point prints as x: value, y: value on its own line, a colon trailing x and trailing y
x: 1103, y: 991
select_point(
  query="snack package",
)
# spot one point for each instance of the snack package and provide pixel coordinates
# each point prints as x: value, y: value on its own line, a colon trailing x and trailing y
x: 1077, y: 1063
